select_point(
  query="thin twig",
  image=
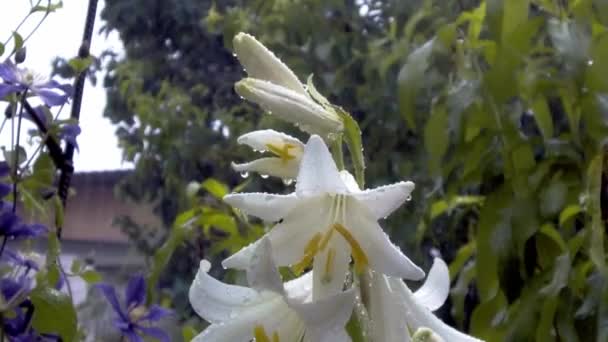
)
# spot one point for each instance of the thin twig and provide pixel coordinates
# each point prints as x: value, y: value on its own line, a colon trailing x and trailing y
x: 83, y: 52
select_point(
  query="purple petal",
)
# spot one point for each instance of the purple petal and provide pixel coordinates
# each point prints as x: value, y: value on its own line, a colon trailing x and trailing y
x: 5, y: 189
x: 133, y: 336
x: 18, y: 260
x: 155, y: 313
x: 8, y: 72
x: 110, y: 293
x: 51, y: 98
x: 52, y: 84
x: 9, y: 287
x: 158, y: 333
x: 4, y: 169
x: 135, y: 294
x: 7, y: 89
x: 27, y: 230
x: 8, y: 221
x: 69, y: 133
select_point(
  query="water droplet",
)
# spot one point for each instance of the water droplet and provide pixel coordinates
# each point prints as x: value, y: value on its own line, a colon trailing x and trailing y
x: 409, y: 198
x: 244, y: 174
x: 287, y: 182
x: 264, y: 176
x: 590, y: 62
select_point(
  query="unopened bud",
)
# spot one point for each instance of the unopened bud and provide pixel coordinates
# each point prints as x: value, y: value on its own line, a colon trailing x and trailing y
x: 9, y: 111
x: 83, y: 51
x: 20, y: 55
x: 426, y: 335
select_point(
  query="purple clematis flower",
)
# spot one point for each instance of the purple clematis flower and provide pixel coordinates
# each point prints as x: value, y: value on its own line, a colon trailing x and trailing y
x: 69, y: 133
x: 12, y: 227
x: 17, y: 80
x: 134, y: 318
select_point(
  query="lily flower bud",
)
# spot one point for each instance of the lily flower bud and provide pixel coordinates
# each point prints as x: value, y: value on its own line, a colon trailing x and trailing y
x: 261, y: 63
x: 291, y: 106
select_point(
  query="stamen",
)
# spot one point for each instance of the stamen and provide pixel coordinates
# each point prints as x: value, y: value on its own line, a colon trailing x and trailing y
x: 329, y: 265
x: 282, y: 153
x: 359, y: 256
x: 326, y: 239
x: 311, y: 249
x: 260, y: 335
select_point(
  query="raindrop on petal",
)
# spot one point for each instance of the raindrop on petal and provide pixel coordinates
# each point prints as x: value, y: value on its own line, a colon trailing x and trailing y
x: 244, y: 174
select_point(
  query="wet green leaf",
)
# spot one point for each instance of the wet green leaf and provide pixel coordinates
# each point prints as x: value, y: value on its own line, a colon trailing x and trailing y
x: 352, y: 136
x: 216, y: 188
x: 54, y: 313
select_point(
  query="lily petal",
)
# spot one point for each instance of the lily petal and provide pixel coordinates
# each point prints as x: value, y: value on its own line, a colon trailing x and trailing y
x: 263, y: 273
x: 331, y: 281
x: 290, y: 106
x: 268, y: 207
x: 270, y: 166
x: 436, y: 288
x: 384, y: 257
x: 272, y: 315
x: 216, y: 301
x: 259, y: 62
x: 384, y: 310
x: 419, y: 316
x: 259, y: 140
x: 287, y: 238
x: 325, y: 319
x: 318, y: 171
x: 382, y: 201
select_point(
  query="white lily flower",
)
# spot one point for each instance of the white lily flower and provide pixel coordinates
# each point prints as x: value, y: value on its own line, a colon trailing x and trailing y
x: 270, y: 311
x: 261, y: 63
x: 395, y: 311
x: 287, y: 149
x: 325, y: 221
x: 291, y: 106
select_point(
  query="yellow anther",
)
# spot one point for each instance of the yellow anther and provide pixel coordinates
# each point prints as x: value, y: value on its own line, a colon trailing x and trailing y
x: 359, y: 256
x: 329, y: 265
x: 260, y: 334
x: 326, y: 239
x: 311, y: 249
x: 283, y: 152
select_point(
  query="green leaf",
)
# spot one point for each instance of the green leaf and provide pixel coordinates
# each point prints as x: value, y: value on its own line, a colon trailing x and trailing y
x: 1, y: 49
x: 411, y: 79
x: 462, y: 256
x: 549, y: 231
x: 545, y: 325
x: 18, y: 41
x: 188, y: 333
x: 543, y: 117
x: 553, y: 197
x: 561, y: 271
x: 352, y: 136
x: 54, y: 313
x: 91, y: 276
x: 47, y: 9
x: 9, y: 156
x: 436, y: 136
x: 596, y: 238
x: 216, y: 188
x: 76, y: 266
x: 569, y: 213
x: 80, y: 64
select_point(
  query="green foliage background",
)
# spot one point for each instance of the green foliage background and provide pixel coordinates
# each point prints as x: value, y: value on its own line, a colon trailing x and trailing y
x: 498, y: 110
